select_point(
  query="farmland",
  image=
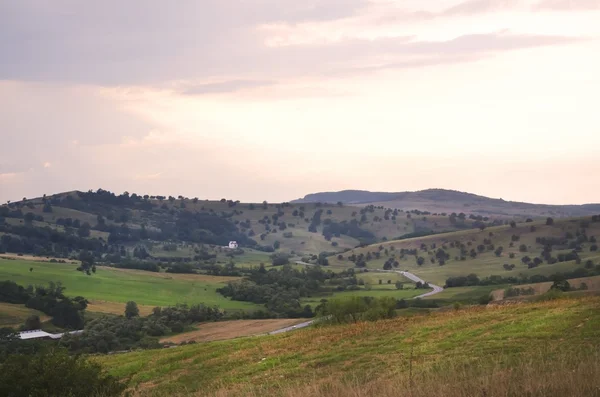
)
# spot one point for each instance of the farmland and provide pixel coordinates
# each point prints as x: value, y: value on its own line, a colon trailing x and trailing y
x: 12, y: 315
x: 472, y: 346
x: 121, y: 286
x: 230, y: 329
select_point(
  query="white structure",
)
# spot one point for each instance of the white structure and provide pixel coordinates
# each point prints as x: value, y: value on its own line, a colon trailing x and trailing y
x: 233, y: 245
x: 38, y: 333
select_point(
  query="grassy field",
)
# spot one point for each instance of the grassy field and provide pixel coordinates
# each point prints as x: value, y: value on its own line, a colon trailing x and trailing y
x: 231, y: 329
x: 544, y: 337
x: 486, y: 263
x: 119, y: 286
x: 592, y: 284
x: 12, y: 315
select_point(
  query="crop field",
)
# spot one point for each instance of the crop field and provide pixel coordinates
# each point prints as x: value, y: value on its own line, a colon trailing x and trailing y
x: 231, y: 329
x: 121, y: 286
x: 487, y: 262
x: 12, y: 315
x: 546, y: 340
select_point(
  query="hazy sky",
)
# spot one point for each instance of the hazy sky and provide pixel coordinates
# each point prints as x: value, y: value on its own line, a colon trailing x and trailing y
x: 273, y: 99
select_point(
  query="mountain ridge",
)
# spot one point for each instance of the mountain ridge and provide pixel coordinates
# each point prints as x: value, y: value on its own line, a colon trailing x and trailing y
x: 448, y: 200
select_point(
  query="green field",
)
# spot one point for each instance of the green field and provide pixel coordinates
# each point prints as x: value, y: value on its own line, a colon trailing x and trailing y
x: 479, y: 341
x: 115, y: 285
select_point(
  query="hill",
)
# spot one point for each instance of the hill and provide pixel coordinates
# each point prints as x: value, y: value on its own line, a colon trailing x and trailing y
x: 170, y: 229
x: 440, y: 200
x: 534, y: 349
x: 515, y: 250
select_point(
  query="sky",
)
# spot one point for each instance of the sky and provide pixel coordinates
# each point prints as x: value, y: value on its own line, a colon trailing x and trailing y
x: 258, y: 100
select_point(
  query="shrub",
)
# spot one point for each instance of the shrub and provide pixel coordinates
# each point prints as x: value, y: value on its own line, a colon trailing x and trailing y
x: 54, y: 373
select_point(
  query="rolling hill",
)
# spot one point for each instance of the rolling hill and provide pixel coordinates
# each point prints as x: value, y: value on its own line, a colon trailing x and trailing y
x: 527, y: 248
x: 174, y: 229
x: 441, y: 200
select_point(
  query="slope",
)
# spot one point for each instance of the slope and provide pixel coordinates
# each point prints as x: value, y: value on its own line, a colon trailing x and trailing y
x: 438, y: 349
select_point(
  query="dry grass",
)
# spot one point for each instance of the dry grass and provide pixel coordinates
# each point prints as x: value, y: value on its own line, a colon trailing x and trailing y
x: 369, y: 358
x: 13, y: 315
x: 231, y: 329
x: 33, y: 258
x: 115, y: 308
x: 565, y: 374
x: 593, y: 284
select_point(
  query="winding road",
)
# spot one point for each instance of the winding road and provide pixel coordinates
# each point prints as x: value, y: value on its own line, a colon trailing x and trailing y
x: 416, y: 279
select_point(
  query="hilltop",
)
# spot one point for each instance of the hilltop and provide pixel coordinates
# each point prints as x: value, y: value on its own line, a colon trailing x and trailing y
x: 441, y: 200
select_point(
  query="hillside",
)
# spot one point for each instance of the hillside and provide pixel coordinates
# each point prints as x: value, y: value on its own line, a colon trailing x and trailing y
x: 440, y: 200
x: 534, y: 349
x: 519, y: 249
x: 180, y: 229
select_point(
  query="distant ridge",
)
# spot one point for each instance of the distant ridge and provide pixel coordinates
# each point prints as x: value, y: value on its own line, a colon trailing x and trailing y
x: 443, y: 200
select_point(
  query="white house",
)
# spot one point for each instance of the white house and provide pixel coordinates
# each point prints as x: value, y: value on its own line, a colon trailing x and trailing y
x: 233, y: 245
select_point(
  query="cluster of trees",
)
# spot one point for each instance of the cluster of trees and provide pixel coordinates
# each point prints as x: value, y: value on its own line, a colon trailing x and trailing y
x: 356, y: 308
x: 116, y: 333
x: 44, y: 241
x: 51, y: 372
x: 280, y: 290
x: 334, y: 229
x: 50, y: 299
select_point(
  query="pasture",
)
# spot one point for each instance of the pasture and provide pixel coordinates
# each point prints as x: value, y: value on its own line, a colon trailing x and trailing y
x: 120, y: 285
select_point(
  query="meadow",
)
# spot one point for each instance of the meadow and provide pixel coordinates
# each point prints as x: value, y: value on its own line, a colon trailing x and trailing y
x: 120, y: 286
x: 471, y: 352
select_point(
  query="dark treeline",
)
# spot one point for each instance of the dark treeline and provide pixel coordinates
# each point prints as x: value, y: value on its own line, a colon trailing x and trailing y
x: 474, y: 280
x: 116, y: 333
x: 334, y: 229
x: 65, y: 312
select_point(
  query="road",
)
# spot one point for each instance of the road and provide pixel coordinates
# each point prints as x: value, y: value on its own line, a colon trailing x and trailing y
x: 416, y: 279
x: 293, y: 327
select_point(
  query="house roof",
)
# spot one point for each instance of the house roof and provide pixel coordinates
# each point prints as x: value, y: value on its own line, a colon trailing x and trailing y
x: 38, y: 333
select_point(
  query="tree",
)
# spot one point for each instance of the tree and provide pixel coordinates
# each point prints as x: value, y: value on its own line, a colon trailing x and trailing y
x: 523, y: 248
x: 561, y: 285
x: 84, y: 230
x: 399, y: 285
x: 131, y: 310
x: 87, y: 262
x: 55, y: 373
x: 549, y: 221
x: 276, y: 245
x: 513, y: 224
x: 420, y: 261
x: 32, y: 322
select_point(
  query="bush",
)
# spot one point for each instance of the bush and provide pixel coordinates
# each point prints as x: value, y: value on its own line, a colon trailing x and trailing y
x: 55, y: 373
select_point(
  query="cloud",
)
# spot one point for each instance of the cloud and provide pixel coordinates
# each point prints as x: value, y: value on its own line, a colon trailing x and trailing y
x: 148, y: 177
x: 7, y: 177
x: 478, y: 7
x: 569, y: 5
x: 143, y: 41
x: 47, y: 164
x: 225, y: 86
